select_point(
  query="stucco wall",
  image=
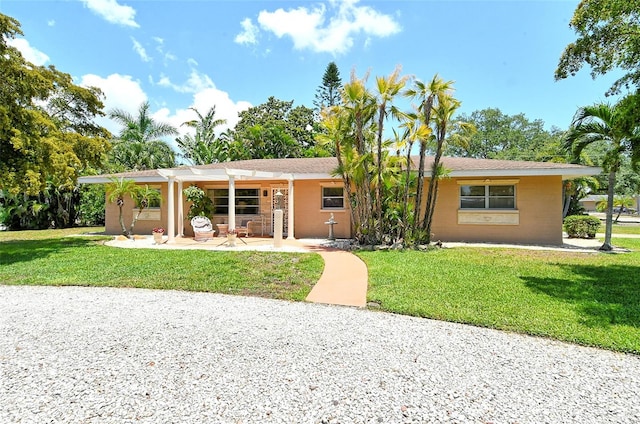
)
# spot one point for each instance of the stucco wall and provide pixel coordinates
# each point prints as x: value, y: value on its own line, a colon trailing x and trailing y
x: 144, y: 225
x: 539, y: 214
x: 310, y: 218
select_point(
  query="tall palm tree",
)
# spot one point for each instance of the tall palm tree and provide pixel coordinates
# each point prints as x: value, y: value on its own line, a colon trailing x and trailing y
x: 608, y: 124
x: 141, y: 145
x: 427, y: 95
x: 205, y: 146
x: 388, y: 88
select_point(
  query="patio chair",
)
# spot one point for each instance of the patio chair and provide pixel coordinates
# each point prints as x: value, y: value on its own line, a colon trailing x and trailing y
x: 244, y: 228
x: 202, y: 228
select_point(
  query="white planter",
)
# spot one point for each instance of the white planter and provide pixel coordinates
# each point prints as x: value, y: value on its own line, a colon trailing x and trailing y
x: 157, y: 238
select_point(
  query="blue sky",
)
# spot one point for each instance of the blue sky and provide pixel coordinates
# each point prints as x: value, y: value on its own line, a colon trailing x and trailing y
x: 234, y: 54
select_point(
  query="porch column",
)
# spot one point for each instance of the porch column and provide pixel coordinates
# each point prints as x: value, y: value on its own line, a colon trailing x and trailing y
x: 290, y: 215
x: 171, y: 204
x: 180, y: 210
x: 232, y: 202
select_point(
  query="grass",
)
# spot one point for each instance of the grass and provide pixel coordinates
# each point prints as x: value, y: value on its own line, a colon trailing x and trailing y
x: 590, y: 299
x: 622, y: 229
x: 52, y: 257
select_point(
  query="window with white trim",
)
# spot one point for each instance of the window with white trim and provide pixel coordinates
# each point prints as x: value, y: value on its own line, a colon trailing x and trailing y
x: 332, y: 198
x: 487, y: 197
x: 247, y: 201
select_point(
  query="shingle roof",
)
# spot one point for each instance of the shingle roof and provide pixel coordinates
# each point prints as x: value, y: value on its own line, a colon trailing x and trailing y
x: 325, y: 167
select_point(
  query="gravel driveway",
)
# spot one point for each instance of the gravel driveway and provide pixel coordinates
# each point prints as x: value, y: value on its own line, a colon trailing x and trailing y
x: 93, y: 355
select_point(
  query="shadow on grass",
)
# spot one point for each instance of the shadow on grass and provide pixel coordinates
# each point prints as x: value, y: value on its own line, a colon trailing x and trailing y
x: 14, y: 251
x: 604, y: 295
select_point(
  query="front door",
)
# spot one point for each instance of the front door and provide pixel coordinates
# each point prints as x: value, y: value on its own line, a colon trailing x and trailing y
x: 284, y: 205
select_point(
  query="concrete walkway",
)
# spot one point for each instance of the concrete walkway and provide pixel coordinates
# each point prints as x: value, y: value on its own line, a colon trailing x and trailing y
x: 343, y: 281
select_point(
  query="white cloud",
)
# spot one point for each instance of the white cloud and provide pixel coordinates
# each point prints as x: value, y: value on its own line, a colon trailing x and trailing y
x: 196, y: 82
x: 113, y: 12
x: 121, y: 92
x: 30, y: 53
x: 160, y: 49
x: 139, y: 49
x: 51, y: 22
x: 320, y: 31
x: 249, y: 34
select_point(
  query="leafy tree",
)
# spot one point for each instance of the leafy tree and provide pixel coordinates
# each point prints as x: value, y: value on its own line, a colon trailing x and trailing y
x: 205, y: 146
x: 139, y: 145
x: 328, y: 93
x: 275, y: 130
x: 510, y: 137
x: 201, y: 204
x: 46, y: 123
x: 608, y: 37
x: 603, y: 123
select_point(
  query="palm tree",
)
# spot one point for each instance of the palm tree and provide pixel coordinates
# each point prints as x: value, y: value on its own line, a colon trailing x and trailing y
x: 427, y: 95
x: 205, y: 146
x: 388, y: 88
x: 611, y: 125
x: 118, y: 189
x: 140, y: 145
x: 620, y: 204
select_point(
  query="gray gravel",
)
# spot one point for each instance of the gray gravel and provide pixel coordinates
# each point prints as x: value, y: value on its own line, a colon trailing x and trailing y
x: 88, y: 355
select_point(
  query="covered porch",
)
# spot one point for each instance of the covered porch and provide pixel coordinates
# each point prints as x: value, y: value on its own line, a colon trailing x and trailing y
x: 282, y: 192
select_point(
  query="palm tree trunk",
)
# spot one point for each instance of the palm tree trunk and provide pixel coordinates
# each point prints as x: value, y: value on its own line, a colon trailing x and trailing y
x: 609, y: 221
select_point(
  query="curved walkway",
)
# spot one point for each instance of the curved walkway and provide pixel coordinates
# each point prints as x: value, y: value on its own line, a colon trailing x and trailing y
x: 343, y: 281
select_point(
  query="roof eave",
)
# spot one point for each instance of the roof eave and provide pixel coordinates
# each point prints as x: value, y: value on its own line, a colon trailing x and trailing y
x: 565, y: 173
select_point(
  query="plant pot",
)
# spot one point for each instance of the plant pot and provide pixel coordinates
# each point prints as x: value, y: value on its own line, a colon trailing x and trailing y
x: 231, y: 239
x: 157, y: 238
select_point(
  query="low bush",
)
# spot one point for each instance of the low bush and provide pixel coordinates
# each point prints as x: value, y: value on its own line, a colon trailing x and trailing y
x: 581, y: 226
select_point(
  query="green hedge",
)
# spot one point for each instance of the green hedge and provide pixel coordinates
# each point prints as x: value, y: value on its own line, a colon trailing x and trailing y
x: 581, y: 226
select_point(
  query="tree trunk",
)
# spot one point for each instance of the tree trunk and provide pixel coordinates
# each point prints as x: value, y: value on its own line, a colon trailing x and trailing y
x: 124, y: 228
x: 609, y: 221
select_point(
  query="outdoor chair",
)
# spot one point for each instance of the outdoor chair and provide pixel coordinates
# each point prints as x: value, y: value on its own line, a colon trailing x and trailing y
x: 244, y: 228
x: 202, y: 228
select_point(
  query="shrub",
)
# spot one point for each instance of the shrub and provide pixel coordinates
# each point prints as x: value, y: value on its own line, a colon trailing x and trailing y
x: 581, y: 226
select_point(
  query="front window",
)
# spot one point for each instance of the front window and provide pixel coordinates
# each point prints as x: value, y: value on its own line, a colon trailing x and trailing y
x: 247, y: 201
x: 332, y: 198
x: 488, y: 197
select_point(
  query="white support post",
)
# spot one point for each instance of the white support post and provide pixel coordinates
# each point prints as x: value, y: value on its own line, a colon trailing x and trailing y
x: 171, y: 204
x: 180, y: 210
x: 290, y: 225
x: 232, y: 202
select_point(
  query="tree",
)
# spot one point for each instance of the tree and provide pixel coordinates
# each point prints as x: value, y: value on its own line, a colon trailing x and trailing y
x: 46, y: 123
x: 205, y: 146
x: 427, y: 96
x: 388, y: 88
x: 509, y: 137
x: 608, y: 37
x: 603, y: 123
x: 140, y: 145
x: 119, y: 188
x: 620, y: 204
x: 328, y: 93
x: 276, y: 130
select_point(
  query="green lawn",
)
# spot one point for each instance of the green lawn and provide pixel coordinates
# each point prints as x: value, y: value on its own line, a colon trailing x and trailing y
x: 623, y: 229
x: 591, y: 299
x: 56, y: 257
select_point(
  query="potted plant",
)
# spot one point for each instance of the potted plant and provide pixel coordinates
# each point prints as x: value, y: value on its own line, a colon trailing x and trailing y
x: 232, y: 234
x: 157, y: 235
